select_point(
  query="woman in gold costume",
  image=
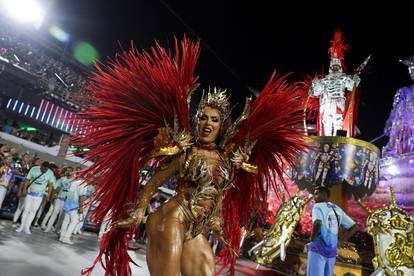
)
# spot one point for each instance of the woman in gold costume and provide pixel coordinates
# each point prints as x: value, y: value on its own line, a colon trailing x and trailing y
x: 138, y: 110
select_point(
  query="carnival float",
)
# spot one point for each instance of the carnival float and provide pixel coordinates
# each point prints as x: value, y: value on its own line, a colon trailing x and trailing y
x: 376, y: 191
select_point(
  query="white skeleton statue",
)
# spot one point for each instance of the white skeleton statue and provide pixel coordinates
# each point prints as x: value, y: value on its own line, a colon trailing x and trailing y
x: 331, y: 93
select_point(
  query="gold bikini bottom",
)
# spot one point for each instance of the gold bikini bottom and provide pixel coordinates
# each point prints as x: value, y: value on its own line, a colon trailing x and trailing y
x: 193, y: 226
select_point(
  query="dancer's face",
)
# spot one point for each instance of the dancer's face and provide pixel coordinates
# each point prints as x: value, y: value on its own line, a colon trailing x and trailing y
x: 208, y: 126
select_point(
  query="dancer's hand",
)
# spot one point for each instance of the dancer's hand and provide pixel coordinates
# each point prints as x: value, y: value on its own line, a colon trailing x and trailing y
x: 242, y: 155
x: 133, y: 218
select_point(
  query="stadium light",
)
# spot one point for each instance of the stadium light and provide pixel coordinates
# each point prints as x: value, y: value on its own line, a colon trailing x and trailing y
x: 25, y: 11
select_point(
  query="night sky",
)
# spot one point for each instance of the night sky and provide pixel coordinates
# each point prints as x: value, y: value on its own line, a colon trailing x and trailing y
x: 244, y: 43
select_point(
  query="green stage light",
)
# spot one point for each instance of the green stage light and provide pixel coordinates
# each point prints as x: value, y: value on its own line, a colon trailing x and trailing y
x: 85, y: 53
x: 27, y: 128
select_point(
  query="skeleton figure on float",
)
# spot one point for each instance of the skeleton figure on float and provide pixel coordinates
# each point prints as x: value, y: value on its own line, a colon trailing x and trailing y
x: 331, y: 90
x: 326, y: 157
x: 370, y: 167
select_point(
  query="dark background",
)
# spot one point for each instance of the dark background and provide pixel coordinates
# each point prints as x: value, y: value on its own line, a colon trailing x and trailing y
x: 244, y: 42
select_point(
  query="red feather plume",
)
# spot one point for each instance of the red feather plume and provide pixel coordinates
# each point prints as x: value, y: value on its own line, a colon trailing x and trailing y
x: 128, y: 100
x: 338, y: 46
x: 275, y: 123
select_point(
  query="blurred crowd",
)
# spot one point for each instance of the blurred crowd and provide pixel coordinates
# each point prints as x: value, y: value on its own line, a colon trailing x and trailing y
x: 36, y: 192
x: 34, y: 135
x: 53, y: 71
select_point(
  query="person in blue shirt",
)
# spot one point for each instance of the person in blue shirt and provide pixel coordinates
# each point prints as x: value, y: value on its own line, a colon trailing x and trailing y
x: 7, y: 127
x: 327, y: 218
x: 72, y: 209
x: 90, y: 189
x: 39, y: 180
x: 56, y: 210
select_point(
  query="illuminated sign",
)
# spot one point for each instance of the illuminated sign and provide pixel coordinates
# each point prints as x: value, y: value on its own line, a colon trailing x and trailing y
x: 46, y: 112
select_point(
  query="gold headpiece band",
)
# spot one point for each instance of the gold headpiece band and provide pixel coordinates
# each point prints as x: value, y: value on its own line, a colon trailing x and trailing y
x: 216, y: 98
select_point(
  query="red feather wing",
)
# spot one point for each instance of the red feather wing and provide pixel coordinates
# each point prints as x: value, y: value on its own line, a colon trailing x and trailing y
x: 129, y: 100
x: 276, y: 124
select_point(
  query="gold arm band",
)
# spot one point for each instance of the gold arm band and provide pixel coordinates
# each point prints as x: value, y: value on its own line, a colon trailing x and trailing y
x: 250, y: 168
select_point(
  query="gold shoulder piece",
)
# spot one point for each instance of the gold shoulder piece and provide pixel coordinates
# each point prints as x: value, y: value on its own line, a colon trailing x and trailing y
x: 174, y: 147
x: 250, y: 168
x: 171, y: 141
x: 169, y: 151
